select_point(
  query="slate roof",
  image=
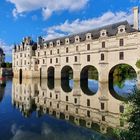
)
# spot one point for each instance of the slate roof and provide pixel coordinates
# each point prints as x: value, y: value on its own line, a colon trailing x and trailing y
x: 112, y: 30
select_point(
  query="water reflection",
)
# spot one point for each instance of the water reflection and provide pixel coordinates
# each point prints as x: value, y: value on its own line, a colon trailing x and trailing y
x: 95, y: 112
x: 122, y: 81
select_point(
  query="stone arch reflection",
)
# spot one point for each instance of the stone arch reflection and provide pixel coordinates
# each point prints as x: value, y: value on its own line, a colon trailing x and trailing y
x: 67, y: 78
x: 89, y: 80
x: 50, y: 75
x: 122, y: 81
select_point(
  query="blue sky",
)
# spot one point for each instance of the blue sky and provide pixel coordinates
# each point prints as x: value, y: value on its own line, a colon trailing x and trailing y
x: 53, y: 18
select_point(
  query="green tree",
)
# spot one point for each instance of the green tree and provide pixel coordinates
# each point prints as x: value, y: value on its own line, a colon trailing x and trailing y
x: 133, y: 118
x: 138, y: 64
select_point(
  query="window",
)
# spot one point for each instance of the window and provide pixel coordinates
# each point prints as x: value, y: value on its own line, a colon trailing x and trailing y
x: 25, y: 62
x: 50, y: 103
x: 88, y: 113
x: 103, y: 118
x: 75, y: 100
x: 57, y: 105
x: 51, y: 60
x: 75, y: 58
x: 88, y: 46
x: 102, y: 106
x: 76, y: 111
x: 121, y: 42
x: 88, y: 102
x: 56, y: 96
x: 50, y: 52
x: 121, y: 109
x: 50, y: 95
x: 38, y: 54
x: 77, y: 48
x: 67, y: 107
x: 121, y: 55
x: 56, y: 60
x: 88, y: 58
x: 67, y: 50
x: 102, y: 57
x: 57, y: 51
x: 38, y: 61
x: 45, y: 53
x: 67, y: 99
x: 43, y: 61
x: 103, y: 44
x: 67, y: 59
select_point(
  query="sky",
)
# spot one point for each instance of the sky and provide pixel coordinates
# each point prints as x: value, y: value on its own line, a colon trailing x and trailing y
x: 56, y: 18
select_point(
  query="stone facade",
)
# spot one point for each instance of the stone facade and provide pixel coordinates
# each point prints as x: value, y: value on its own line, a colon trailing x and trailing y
x: 102, y: 48
x: 91, y: 109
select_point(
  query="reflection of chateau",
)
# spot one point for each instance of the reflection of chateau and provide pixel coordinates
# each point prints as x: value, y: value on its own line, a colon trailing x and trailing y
x: 102, y: 48
x: 94, y: 111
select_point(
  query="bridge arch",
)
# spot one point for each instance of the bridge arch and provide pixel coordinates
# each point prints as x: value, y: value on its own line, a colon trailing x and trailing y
x: 119, y: 78
x: 89, y: 80
x: 67, y: 78
x: 50, y: 75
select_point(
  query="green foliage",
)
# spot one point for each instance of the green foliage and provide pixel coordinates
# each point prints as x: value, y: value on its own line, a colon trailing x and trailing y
x: 138, y: 64
x: 121, y: 73
x: 6, y: 65
x: 133, y: 118
x: 3, y: 65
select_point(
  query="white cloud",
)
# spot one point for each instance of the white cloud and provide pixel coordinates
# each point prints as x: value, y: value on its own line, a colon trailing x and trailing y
x: 6, y: 48
x: 47, y: 6
x: 83, y: 25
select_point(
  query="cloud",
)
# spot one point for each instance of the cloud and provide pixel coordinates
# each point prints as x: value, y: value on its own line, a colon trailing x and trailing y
x: 47, y: 6
x: 78, y: 25
x: 7, y: 50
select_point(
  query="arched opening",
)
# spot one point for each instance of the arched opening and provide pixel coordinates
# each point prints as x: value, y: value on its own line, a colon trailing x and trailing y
x: 50, y: 75
x: 67, y: 78
x: 122, y: 81
x: 89, y: 80
x: 20, y: 76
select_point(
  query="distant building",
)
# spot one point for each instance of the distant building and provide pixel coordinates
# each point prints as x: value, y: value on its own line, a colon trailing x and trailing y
x: 2, y: 56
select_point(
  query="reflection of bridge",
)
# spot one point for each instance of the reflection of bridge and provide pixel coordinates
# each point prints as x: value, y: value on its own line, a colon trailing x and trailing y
x: 74, y: 106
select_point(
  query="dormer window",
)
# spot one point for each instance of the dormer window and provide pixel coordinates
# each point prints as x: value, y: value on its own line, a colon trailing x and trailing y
x: 103, y: 33
x: 88, y: 36
x: 58, y: 42
x: 67, y: 41
x: 121, y: 29
x: 37, y: 47
x: 45, y: 45
x: 51, y: 44
x: 77, y: 39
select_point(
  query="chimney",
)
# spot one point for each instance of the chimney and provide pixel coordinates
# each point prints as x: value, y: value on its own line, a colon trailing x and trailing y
x: 136, y: 18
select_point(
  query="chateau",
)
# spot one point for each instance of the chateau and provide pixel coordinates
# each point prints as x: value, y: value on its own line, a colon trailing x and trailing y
x: 102, y: 48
